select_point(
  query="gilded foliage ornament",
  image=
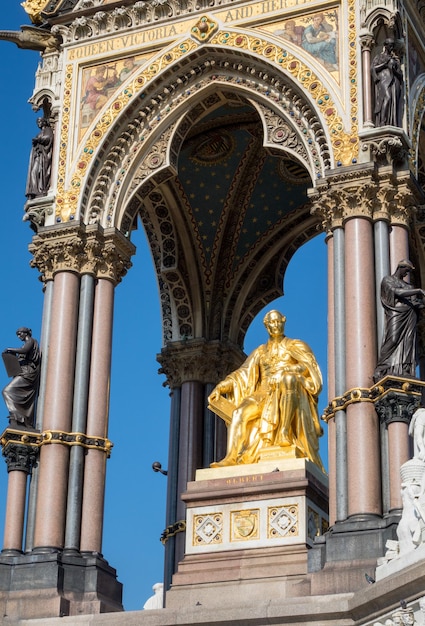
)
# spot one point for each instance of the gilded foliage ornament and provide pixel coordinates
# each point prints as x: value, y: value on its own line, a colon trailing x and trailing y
x: 34, y: 9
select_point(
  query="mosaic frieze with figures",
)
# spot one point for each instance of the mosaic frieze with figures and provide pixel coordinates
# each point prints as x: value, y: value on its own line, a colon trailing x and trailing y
x: 315, y: 33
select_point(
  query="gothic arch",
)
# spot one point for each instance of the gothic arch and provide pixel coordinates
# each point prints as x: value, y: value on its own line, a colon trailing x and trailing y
x: 178, y: 92
x: 136, y: 169
x: 154, y: 97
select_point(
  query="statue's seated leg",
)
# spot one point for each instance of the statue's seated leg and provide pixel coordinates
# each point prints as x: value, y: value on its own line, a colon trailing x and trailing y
x: 239, y: 431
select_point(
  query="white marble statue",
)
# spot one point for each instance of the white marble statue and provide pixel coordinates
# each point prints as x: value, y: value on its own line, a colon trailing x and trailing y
x: 402, y: 617
x: 417, y: 431
x: 157, y: 600
x: 411, y: 528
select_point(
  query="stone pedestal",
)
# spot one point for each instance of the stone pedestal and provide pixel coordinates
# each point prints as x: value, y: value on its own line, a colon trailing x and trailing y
x: 57, y: 584
x: 249, y: 528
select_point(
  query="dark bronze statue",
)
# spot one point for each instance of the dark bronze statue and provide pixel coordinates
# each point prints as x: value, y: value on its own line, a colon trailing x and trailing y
x: 388, y: 79
x: 20, y: 394
x: 401, y: 303
x: 40, y: 167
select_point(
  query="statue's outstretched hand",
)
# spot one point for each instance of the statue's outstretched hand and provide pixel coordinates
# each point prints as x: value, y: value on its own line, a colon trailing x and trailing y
x: 218, y: 391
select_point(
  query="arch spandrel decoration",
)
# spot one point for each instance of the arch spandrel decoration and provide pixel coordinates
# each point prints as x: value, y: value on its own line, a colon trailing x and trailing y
x: 259, y: 51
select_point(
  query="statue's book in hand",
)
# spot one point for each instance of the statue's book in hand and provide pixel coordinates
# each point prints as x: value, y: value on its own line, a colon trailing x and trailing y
x: 11, y: 363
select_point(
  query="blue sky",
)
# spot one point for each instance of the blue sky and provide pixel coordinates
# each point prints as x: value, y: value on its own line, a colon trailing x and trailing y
x: 139, y: 411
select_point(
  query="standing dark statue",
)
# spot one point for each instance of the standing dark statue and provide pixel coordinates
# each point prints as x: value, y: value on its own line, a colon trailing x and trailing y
x: 20, y: 394
x: 388, y: 79
x: 401, y: 303
x: 40, y: 167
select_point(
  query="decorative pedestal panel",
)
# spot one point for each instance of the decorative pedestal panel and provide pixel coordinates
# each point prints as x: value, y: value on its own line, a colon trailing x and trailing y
x: 251, y: 524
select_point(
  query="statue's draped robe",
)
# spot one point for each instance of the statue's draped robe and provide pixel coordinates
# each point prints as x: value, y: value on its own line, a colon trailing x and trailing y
x: 290, y: 404
x: 386, y: 74
x: 398, y: 349
x: 20, y: 394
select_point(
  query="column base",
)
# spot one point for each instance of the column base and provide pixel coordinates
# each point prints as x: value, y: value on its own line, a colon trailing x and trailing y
x: 360, y: 538
x: 64, y: 585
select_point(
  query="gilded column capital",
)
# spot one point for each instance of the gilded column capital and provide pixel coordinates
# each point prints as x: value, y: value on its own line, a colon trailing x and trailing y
x: 81, y: 249
x: 404, y: 207
x: 115, y: 256
x: 325, y: 206
x: 373, y: 194
x: 335, y: 204
x: 198, y: 360
x: 55, y: 250
x: 384, y: 202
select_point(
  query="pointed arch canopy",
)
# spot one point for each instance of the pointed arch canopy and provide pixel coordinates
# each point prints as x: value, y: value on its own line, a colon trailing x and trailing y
x: 247, y: 91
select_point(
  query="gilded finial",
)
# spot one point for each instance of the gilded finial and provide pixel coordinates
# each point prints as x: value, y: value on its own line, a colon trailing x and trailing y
x: 34, y: 9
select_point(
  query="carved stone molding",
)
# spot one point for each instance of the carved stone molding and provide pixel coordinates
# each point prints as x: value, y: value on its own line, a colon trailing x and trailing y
x: 84, y: 250
x: 282, y: 134
x: 386, y: 147
x: 36, y: 211
x: 368, y: 194
x: 386, y: 151
x: 198, y: 360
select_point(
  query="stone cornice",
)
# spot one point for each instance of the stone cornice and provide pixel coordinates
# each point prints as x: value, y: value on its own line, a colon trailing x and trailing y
x: 89, y: 20
x: 103, y: 253
x: 198, y: 360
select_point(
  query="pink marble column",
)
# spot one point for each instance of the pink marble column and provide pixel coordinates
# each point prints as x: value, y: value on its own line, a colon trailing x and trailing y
x: 97, y: 418
x: 331, y: 383
x: 399, y: 245
x: 363, y: 449
x: 15, y: 511
x: 54, y: 457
